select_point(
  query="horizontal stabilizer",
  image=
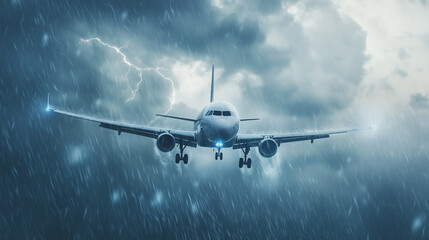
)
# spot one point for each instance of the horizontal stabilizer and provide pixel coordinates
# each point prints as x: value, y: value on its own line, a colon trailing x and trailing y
x: 180, y: 118
x: 249, y: 119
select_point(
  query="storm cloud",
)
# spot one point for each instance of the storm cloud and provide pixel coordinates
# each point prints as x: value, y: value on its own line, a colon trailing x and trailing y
x: 299, y: 65
x: 418, y: 100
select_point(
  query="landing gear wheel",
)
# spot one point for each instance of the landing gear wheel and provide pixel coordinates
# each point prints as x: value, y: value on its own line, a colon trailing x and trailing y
x: 216, y: 155
x: 246, y: 161
x: 249, y: 163
x: 221, y: 156
x: 181, y: 156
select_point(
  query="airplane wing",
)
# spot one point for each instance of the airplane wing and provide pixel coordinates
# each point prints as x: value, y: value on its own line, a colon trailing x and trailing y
x: 252, y: 140
x: 187, y: 137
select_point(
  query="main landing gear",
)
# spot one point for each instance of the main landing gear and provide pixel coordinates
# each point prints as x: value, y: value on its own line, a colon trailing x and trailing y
x: 181, y: 156
x: 246, y: 161
x: 218, y: 154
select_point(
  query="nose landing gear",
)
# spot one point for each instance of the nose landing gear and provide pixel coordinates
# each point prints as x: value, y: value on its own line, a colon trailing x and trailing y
x: 218, y: 154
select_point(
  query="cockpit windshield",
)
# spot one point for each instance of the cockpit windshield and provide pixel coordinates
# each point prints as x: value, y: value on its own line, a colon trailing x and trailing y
x: 226, y: 113
x: 219, y: 113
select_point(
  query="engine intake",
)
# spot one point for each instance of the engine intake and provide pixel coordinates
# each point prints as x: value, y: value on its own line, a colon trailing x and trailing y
x: 267, y: 147
x: 165, y: 142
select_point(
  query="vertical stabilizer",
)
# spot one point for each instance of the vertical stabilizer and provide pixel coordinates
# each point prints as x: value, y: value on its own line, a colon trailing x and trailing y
x: 212, y: 89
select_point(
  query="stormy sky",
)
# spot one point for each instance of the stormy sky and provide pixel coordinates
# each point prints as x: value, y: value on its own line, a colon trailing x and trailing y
x: 298, y: 65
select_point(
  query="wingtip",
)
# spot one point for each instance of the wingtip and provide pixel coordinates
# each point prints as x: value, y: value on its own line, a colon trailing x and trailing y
x: 48, y: 106
x: 49, y: 109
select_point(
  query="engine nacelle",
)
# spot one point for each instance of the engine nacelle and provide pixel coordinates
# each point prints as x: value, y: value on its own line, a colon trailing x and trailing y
x: 165, y: 142
x: 267, y: 147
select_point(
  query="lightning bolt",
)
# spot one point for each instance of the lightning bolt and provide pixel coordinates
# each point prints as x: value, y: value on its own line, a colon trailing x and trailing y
x: 140, y: 71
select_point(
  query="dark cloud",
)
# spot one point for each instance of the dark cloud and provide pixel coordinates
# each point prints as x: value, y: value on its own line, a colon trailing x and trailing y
x: 64, y: 178
x: 264, y: 7
x: 322, y: 69
x: 402, y: 54
x: 418, y: 100
x: 401, y: 73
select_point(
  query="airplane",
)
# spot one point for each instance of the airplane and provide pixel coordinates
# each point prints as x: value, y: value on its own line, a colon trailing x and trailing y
x: 216, y: 127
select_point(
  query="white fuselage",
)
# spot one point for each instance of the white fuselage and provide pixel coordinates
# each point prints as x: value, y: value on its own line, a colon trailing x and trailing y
x: 217, y: 125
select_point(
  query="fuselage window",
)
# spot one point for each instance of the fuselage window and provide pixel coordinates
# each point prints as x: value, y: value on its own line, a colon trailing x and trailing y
x: 217, y: 113
x: 226, y: 113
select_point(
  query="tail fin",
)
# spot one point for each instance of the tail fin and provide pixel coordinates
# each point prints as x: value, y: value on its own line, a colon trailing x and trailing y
x: 212, y: 90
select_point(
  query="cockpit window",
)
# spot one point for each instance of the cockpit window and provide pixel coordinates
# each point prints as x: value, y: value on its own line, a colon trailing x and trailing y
x: 217, y: 113
x: 226, y: 113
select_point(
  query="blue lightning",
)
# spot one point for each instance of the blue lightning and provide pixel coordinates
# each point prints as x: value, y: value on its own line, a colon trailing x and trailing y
x: 140, y: 71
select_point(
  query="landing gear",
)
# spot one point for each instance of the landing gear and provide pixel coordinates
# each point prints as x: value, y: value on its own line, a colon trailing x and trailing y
x: 218, y: 154
x: 246, y: 161
x: 181, y: 156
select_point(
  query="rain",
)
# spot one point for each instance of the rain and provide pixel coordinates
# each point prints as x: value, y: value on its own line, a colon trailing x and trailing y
x: 299, y: 66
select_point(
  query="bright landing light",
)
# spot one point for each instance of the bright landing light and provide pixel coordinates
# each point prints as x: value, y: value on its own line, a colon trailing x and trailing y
x: 219, y: 144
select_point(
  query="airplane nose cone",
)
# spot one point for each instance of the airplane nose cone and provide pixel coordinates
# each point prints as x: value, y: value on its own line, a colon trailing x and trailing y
x: 225, y: 133
x: 221, y: 130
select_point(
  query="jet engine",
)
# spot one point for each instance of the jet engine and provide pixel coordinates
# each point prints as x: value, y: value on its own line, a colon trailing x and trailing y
x: 267, y: 147
x: 165, y: 142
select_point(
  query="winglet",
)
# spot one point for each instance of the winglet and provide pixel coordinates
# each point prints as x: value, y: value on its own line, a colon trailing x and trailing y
x: 48, y: 107
x: 212, y: 88
x: 47, y: 104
